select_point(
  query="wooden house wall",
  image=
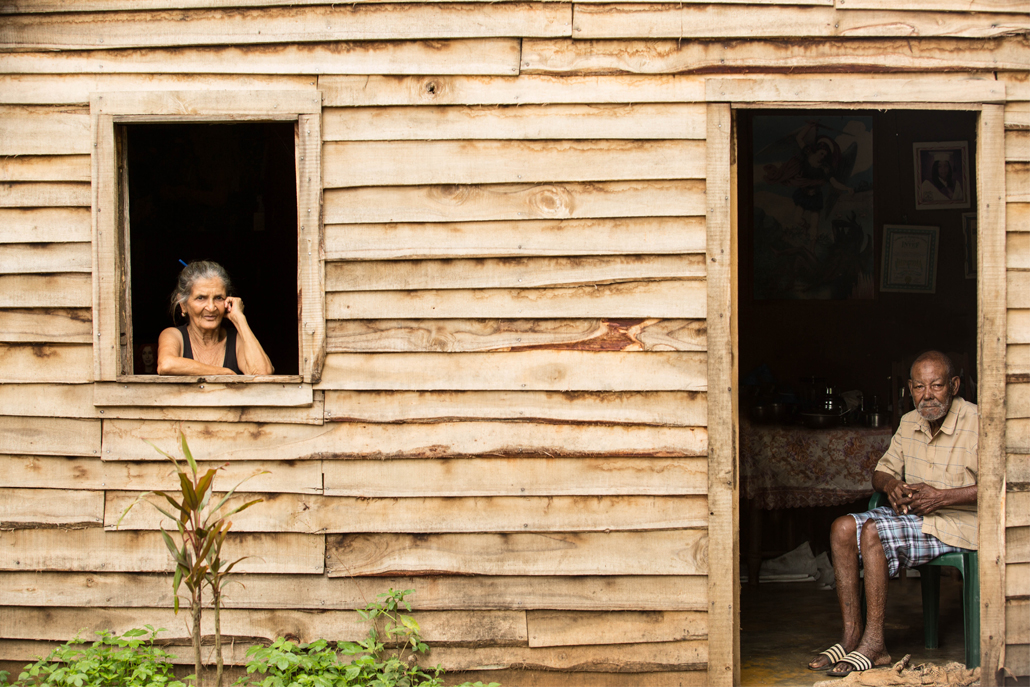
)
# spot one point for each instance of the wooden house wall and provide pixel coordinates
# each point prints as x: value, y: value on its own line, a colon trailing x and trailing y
x: 512, y: 418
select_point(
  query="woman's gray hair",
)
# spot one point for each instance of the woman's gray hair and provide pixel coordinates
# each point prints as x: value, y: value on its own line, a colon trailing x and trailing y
x: 190, y: 275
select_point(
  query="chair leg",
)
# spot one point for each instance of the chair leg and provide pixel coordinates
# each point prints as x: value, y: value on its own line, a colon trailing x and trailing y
x: 930, y: 584
x: 971, y: 609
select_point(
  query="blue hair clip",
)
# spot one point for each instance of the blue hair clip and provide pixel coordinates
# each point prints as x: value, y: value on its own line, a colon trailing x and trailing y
x: 183, y: 263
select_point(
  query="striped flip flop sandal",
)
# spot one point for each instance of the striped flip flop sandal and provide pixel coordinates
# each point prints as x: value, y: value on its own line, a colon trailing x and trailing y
x: 835, y: 653
x: 857, y: 662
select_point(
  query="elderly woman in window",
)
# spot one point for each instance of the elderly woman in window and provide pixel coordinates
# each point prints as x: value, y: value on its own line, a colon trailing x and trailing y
x: 203, y: 346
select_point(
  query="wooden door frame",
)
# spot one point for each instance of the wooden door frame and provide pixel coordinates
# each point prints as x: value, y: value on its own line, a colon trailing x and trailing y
x: 937, y: 92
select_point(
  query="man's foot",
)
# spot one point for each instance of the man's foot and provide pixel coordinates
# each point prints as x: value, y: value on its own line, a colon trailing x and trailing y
x: 827, y: 658
x: 859, y: 661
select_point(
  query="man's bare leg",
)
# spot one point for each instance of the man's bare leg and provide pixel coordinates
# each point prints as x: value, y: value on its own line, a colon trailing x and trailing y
x: 874, y: 561
x: 844, y: 544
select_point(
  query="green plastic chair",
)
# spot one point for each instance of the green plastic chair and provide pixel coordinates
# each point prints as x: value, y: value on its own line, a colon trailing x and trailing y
x: 930, y: 582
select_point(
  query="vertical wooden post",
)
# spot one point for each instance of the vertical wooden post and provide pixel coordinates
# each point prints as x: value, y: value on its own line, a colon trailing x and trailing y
x: 723, y: 543
x: 310, y: 246
x: 991, y: 293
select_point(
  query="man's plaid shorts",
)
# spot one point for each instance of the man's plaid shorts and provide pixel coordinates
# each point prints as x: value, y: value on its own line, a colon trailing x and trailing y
x: 902, y: 537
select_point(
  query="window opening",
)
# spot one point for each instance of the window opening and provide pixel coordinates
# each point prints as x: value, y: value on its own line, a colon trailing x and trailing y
x: 212, y: 191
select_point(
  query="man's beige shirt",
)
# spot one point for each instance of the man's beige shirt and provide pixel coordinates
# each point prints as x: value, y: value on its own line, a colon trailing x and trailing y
x: 946, y: 460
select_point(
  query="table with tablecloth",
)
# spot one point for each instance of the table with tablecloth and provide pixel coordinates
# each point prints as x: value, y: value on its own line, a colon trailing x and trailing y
x: 796, y: 467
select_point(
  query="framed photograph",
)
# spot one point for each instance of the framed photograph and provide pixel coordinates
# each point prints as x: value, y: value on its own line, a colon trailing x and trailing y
x: 969, y: 234
x: 813, y: 207
x: 942, y: 175
x: 909, y: 259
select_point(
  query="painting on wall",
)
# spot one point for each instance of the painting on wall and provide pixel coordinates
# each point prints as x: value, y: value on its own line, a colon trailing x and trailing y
x: 942, y: 175
x: 909, y: 259
x: 813, y: 207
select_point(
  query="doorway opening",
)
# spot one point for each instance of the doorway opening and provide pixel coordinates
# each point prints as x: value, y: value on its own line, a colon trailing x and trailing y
x: 221, y: 192
x: 830, y: 320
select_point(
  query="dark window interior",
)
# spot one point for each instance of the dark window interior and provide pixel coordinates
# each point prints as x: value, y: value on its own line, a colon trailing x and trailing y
x: 221, y: 192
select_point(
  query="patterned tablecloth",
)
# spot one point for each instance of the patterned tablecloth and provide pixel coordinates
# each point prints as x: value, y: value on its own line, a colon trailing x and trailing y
x: 795, y: 467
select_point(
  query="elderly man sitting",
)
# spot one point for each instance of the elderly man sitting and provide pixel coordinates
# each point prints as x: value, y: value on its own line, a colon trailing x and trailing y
x: 929, y: 474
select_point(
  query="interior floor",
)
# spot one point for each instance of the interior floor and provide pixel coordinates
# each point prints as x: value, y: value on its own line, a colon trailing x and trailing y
x: 785, y: 625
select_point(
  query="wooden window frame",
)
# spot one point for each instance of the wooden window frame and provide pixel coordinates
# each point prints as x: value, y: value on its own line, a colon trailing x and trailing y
x: 111, y: 297
x: 724, y: 95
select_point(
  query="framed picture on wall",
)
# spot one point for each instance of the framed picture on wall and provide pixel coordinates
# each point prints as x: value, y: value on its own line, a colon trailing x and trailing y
x: 969, y: 234
x: 941, y: 175
x: 909, y: 259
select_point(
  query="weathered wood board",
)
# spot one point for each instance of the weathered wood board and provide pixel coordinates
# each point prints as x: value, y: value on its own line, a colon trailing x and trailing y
x: 24, y: 194
x: 45, y: 290
x: 547, y: 678
x: 466, y: 336
x: 400, y: 163
x: 50, y: 507
x: 31, y: 363
x: 1017, y: 545
x: 549, y: 56
x: 511, y: 273
x: 253, y: 67
x: 511, y: 476
x: 765, y: 21
x: 44, y: 225
x: 673, y: 298
x: 288, y: 25
x: 562, y: 628
x: 1017, y: 509
x: 514, y: 202
x: 645, y: 121
x: 29, y: 258
x: 670, y: 552
x: 39, y: 130
x: 671, y: 409
x: 314, y: 513
x: 439, y: 627
x: 39, y: 472
x: 202, y: 394
x: 628, y: 658
x: 367, y: 91
x: 561, y: 238
x: 341, y: 440
x: 45, y: 168
x: 46, y: 325
x: 1017, y: 579
x: 319, y: 592
x: 528, y: 371
x: 61, y: 550
x: 49, y: 436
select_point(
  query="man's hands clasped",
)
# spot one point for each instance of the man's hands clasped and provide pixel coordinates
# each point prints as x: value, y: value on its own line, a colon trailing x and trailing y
x: 914, y: 499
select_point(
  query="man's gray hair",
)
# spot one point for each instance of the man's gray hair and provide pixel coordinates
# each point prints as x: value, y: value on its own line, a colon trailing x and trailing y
x: 937, y: 357
x: 190, y: 275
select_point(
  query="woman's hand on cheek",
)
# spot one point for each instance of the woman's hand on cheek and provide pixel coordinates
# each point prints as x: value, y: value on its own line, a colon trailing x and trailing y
x: 234, y: 309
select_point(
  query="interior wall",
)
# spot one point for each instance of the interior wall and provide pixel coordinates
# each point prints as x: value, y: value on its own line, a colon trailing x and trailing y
x: 852, y: 343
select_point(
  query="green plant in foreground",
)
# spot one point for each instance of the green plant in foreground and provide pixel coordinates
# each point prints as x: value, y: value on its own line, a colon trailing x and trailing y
x: 286, y: 664
x: 131, y: 660
x: 198, y: 556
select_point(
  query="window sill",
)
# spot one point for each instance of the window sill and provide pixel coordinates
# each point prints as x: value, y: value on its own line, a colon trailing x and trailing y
x: 214, y: 390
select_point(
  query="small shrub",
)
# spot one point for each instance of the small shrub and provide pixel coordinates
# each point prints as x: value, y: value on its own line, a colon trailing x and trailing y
x: 371, y: 664
x: 131, y: 660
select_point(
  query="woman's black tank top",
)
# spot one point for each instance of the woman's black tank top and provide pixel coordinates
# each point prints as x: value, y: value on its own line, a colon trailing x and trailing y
x: 230, y: 347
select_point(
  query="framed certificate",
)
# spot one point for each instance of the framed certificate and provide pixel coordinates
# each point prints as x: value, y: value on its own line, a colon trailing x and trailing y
x: 909, y: 259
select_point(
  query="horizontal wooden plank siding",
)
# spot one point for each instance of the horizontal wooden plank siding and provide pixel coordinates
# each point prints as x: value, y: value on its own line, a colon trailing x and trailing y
x: 560, y: 238
x: 342, y: 440
x: 463, y: 336
x: 44, y: 225
x: 46, y: 325
x: 289, y: 25
x: 49, y: 436
x: 674, y: 409
x: 319, y: 592
x: 679, y: 552
x: 314, y: 514
x: 515, y: 476
x: 514, y: 202
x: 529, y: 371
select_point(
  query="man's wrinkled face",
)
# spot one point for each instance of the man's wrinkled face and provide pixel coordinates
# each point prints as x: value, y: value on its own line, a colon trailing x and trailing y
x: 932, y: 391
